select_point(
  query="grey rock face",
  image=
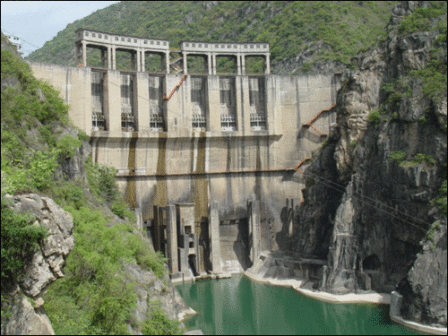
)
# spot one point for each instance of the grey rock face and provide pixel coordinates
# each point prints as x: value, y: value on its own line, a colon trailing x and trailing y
x: 46, y: 264
x: 152, y: 291
x: 26, y: 319
x: 373, y: 226
x: 424, y: 288
x: 44, y: 268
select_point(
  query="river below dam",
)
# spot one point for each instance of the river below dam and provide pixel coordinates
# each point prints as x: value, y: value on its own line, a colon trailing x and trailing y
x: 239, y: 306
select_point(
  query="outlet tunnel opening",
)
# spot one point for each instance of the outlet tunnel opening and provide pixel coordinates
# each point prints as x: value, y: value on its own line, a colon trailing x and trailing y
x: 192, y: 264
x: 371, y: 263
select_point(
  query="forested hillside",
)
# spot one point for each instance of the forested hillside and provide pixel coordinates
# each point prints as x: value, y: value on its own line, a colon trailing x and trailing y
x: 44, y: 170
x: 333, y: 31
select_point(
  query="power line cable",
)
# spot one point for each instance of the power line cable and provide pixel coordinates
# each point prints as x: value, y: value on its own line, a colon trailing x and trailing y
x: 341, y: 189
x: 373, y: 200
x: 35, y: 46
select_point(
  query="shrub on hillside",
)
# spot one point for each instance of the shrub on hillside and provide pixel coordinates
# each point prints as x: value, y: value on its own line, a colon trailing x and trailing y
x: 20, y: 239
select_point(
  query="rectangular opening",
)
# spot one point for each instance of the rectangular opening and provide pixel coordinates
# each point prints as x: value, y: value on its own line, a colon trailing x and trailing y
x: 227, y: 95
x: 198, y: 103
x: 156, y: 120
x: 98, y: 119
x: 128, y: 122
x: 257, y: 103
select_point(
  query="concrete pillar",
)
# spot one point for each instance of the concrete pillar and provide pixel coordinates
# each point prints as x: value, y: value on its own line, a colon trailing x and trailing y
x: 209, y: 64
x: 138, y: 67
x: 184, y: 61
x: 213, y: 101
x: 143, y: 69
x: 238, y: 64
x: 84, y: 53
x: 109, y: 57
x: 171, y: 238
x: 213, y: 64
x: 157, y: 228
x: 254, y: 229
x: 239, y: 105
x: 245, y: 106
x: 215, y: 249
x: 243, y: 64
x: 139, y: 217
x: 167, y: 62
x: 114, y: 58
x: 113, y: 99
x: 142, y: 98
x: 268, y: 65
x: 273, y: 114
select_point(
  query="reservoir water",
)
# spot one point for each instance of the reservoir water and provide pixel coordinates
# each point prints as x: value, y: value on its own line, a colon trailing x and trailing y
x: 239, y: 306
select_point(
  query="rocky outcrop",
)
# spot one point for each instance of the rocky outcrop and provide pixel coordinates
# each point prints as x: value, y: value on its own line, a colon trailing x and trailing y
x: 424, y: 288
x: 26, y: 318
x: 307, y: 62
x: 44, y: 268
x: 384, y: 163
x: 153, y: 292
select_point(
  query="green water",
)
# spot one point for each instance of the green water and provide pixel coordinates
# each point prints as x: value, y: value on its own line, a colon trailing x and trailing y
x: 239, y: 306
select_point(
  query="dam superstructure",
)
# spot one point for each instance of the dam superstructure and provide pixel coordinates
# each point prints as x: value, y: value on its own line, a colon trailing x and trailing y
x: 207, y: 161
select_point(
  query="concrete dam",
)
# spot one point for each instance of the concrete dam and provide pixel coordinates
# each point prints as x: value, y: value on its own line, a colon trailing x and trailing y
x: 210, y: 162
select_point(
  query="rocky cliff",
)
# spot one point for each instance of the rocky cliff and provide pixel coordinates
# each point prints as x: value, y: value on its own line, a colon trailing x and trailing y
x: 27, y: 313
x: 368, y: 206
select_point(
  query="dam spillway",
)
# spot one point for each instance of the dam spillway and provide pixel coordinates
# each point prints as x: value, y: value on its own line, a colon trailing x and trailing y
x: 219, y: 153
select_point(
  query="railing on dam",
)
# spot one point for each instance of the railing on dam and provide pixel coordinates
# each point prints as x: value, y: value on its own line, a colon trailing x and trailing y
x: 138, y: 47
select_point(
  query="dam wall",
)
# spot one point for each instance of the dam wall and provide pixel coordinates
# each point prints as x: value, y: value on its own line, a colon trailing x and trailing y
x: 202, y: 139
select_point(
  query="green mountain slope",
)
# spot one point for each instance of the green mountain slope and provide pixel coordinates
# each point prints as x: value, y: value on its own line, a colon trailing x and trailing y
x: 38, y: 144
x: 345, y: 27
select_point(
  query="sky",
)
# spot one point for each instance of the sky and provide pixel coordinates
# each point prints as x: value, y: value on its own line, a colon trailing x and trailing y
x: 37, y: 22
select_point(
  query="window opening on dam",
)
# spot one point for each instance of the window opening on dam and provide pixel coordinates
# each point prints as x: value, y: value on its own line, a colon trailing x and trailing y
x: 128, y: 122
x: 255, y: 64
x: 227, y: 95
x: 227, y: 64
x: 198, y: 102
x: 126, y: 59
x: 154, y: 62
x: 156, y: 120
x: 197, y: 64
x: 257, y: 99
x: 96, y: 56
x: 97, y: 91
